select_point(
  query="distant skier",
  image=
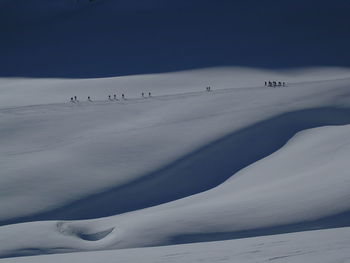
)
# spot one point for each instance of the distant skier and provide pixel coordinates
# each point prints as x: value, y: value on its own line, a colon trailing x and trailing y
x: 143, y: 95
x: 123, y: 96
x: 149, y: 94
x: 75, y: 98
x: 89, y: 99
x: 279, y: 83
x: 115, y: 96
x: 284, y: 84
x: 71, y: 99
x: 265, y: 83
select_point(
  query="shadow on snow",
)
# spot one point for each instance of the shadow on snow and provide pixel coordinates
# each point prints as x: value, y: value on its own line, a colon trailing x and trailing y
x: 198, y: 171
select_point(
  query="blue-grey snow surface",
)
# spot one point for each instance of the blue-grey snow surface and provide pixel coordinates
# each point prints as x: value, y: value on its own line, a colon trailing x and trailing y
x: 180, y: 166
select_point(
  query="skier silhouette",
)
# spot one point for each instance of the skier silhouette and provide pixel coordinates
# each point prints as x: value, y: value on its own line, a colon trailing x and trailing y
x: 123, y: 96
x: 143, y: 94
x: 75, y: 98
x: 109, y: 97
x: 71, y: 99
x: 89, y: 99
x: 149, y: 94
x: 115, y: 97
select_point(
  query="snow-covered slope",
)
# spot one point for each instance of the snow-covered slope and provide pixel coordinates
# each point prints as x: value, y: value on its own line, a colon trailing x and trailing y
x: 188, y: 165
x: 30, y: 91
x: 287, y: 191
x: 152, y: 161
x: 320, y: 246
x: 108, y: 146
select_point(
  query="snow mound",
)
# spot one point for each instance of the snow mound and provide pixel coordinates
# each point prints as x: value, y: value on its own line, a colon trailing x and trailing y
x: 200, y: 170
x: 304, y: 185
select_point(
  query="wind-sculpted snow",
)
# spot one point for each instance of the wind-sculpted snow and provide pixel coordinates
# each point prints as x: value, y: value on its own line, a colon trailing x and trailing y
x: 65, y: 229
x: 103, y: 158
x: 181, y: 166
x: 200, y: 170
x: 285, y: 192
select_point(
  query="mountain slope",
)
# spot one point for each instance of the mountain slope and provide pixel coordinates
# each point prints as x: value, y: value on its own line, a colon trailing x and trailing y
x: 187, y: 165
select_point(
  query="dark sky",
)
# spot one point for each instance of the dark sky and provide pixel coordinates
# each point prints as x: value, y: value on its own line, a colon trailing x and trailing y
x: 70, y: 38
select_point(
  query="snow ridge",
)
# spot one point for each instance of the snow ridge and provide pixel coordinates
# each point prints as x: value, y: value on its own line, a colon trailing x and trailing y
x: 181, y: 177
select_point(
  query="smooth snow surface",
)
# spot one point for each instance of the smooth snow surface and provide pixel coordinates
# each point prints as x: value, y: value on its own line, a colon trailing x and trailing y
x: 322, y: 246
x: 181, y: 166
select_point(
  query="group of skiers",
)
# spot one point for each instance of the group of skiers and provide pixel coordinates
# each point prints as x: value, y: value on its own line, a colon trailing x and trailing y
x: 75, y: 99
x: 275, y: 84
x: 208, y: 88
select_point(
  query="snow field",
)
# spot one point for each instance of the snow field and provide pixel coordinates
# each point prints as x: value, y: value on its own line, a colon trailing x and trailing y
x: 158, y: 171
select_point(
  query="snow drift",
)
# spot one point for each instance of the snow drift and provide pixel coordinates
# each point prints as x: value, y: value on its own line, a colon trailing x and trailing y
x: 286, y: 191
x: 181, y: 166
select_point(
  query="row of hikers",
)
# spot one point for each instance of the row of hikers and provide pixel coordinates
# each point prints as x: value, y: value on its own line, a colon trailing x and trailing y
x: 267, y: 84
x: 275, y: 83
x: 75, y: 98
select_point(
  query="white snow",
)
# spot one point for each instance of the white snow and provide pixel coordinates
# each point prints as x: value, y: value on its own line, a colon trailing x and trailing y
x: 30, y: 91
x: 182, y: 166
x: 331, y: 245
